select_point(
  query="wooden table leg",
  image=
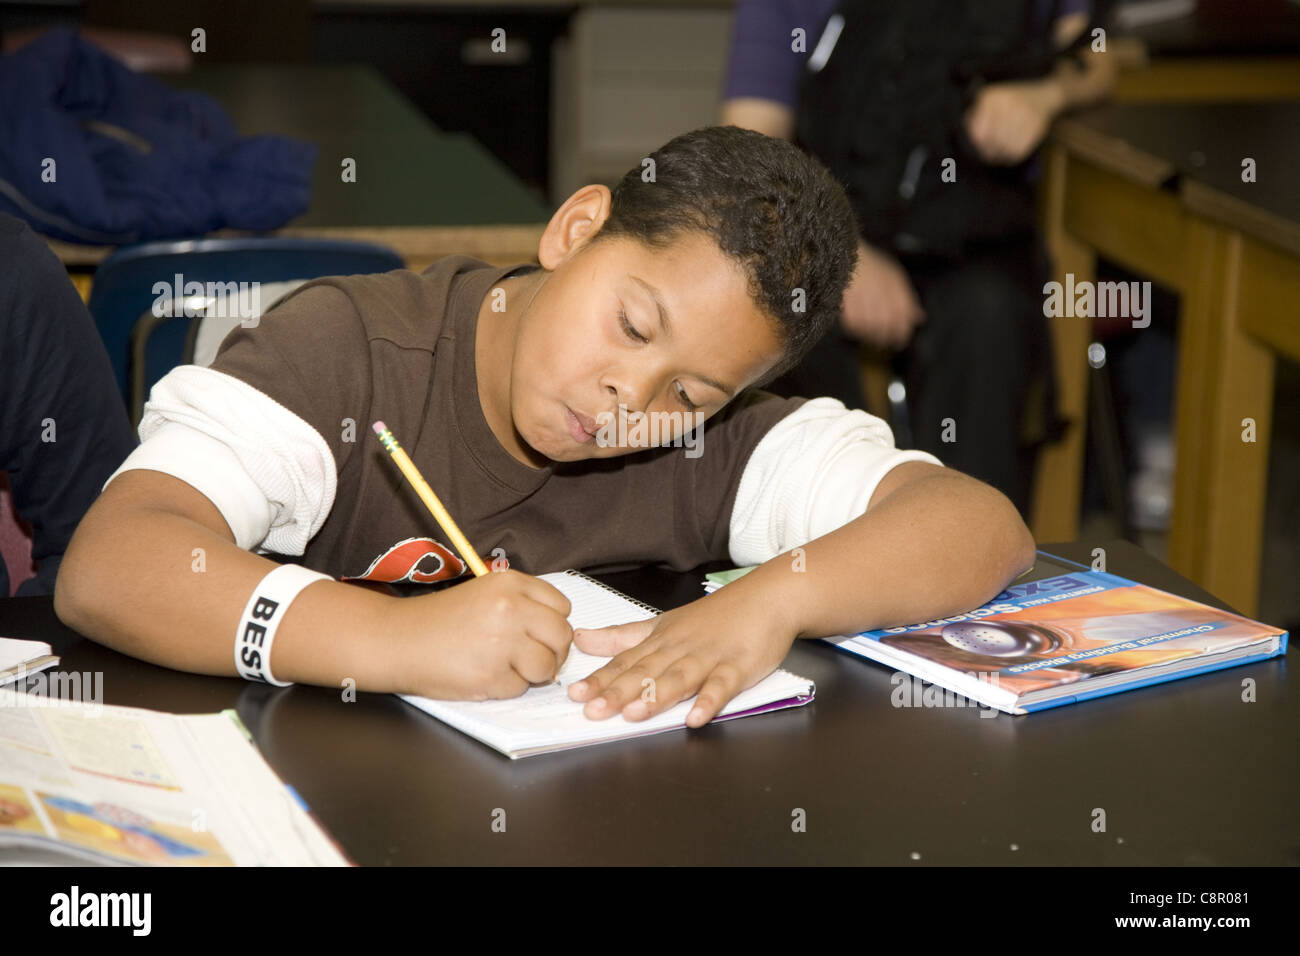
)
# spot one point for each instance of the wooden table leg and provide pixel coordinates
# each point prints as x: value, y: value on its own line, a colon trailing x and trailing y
x: 1224, y: 398
x: 1058, y: 478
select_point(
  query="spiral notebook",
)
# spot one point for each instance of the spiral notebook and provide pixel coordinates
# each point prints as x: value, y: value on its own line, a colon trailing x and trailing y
x: 544, y: 719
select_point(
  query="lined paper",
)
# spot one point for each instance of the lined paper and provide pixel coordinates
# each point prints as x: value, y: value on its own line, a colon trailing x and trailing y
x: 545, y: 719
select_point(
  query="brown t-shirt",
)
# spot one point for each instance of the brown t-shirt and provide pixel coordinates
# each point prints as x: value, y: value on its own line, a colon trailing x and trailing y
x: 342, y: 352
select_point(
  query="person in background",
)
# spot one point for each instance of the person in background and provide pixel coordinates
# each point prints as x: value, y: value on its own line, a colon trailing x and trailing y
x: 930, y: 113
x: 63, y: 424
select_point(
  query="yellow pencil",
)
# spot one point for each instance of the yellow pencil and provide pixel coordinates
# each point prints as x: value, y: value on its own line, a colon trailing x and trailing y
x: 430, y: 500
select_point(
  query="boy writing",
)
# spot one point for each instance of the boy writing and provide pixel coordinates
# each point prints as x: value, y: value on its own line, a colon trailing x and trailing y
x: 679, y: 292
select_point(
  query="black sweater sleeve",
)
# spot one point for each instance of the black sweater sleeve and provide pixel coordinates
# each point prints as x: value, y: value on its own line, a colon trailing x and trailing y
x: 63, y: 425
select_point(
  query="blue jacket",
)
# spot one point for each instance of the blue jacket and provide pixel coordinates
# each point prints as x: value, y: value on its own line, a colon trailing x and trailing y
x: 133, y: 160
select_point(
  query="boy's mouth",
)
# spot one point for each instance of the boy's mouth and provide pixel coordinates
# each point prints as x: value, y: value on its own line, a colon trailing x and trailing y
x: 581, y: 428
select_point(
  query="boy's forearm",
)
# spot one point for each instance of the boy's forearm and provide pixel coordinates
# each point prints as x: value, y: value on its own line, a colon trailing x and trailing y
x: 939, y: 545
x: 138, y: 586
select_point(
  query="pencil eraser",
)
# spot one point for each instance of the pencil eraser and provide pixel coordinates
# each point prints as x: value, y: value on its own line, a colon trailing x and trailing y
x: 379, y: 428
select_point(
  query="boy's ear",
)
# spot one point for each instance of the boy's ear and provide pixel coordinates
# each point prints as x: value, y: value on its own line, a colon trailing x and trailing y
x: 574, y: 224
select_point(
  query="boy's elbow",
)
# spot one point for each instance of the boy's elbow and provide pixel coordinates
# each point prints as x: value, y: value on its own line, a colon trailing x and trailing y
x: 66, y: 608
x: 1022, y: 548
x: 1028, y: 549
x: 1008, y: 537
x: 89, y: 572
x: 69, y: 590
x: 988, y: 519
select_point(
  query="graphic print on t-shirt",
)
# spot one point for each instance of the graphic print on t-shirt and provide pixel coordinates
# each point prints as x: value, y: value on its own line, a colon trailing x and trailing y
x: 418, y: 560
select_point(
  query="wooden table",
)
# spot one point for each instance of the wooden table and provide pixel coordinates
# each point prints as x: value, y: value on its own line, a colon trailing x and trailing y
x: 1158, y: 189
x: 422, y: 192
x: 1242, y: 50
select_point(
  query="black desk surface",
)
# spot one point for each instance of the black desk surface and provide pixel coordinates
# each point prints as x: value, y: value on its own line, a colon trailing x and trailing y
x: 408, y: 173
x: 1206, y: 142
x: 1223, y: 28
x: 1198, y: 149
x: 1185, y: 771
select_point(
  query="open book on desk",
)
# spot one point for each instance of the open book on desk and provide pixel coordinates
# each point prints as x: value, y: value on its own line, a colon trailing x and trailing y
x: 544, y: 719
x: 85, y: 783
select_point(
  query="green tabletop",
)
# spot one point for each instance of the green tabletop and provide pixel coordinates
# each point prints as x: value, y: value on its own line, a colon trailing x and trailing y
x: 408, y: 172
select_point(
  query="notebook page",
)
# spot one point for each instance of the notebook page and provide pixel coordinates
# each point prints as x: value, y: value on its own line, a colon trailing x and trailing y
x: 544, y: 713
x: 547, y: 716
x: 14, y: 653
x: 590, y: 607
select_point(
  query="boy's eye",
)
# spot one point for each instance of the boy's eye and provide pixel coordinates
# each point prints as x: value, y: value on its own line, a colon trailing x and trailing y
x: 636, y: 336
x: 632, y: 333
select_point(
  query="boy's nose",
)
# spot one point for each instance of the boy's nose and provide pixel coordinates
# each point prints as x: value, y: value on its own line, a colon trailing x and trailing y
x: 631, y: 391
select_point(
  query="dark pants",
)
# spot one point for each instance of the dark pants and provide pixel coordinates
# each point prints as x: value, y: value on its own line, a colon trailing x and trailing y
x: 978, y: 372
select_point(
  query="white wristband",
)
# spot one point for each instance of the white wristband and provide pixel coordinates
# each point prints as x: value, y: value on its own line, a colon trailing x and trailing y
x: 262, y: 616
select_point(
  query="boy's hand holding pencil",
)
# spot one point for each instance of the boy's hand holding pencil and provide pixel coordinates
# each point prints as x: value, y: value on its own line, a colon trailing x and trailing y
x: 493, y: 636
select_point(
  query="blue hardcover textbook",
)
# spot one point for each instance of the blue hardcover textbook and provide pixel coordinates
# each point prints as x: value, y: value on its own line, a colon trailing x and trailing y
x: 1067, y: 638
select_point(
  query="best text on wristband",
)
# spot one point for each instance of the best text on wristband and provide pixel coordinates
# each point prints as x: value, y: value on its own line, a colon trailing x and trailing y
x: 262, y: 616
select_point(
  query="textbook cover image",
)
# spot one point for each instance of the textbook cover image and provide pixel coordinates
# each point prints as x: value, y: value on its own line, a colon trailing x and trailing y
x: 1068, y: 638
x: 116, y: 831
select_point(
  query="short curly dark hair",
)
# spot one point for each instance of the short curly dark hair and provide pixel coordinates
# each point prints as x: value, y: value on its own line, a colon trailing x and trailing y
x: 769, y: 206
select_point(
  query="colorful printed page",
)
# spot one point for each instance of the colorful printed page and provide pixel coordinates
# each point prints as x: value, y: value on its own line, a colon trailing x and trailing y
x: 129, y: 786
x: 544, y: 719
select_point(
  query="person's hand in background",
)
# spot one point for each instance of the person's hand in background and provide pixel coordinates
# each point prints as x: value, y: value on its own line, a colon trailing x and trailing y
x: 880, y: 305
x: 1008, y: 121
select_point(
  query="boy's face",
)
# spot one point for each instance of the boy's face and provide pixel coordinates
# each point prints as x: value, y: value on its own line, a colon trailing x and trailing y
x: 592, y: 339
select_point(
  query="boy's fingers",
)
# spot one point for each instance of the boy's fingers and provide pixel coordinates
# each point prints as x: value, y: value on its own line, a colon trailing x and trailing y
x: 543, y: 592
x: 505, y: 685
x: 595, y: 683
x: 722, y: 685
x: 604, y: 686
x: 611, y: 641
x: 534, y: 662
x: 678, y: 682
x: 550, y: 629
x: 626, y: 685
